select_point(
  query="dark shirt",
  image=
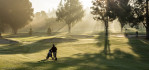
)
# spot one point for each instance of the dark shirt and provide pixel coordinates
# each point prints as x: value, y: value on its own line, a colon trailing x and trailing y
x: 136, y: 33
x: 54, y: 49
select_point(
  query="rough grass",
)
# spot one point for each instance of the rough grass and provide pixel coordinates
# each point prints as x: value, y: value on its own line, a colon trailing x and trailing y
x: 75, y: 52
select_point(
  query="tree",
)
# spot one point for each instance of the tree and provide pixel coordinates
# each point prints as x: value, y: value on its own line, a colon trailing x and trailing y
x: 140, y: 14
x: 1, y: 28
x: 16, y: 13
x: 109, y: 10
x: 123, y: 12
x: 132, y: 12
x: 147, y: 20
x: 102, y: 11
x: 70, y: 12
x: 40, y: 21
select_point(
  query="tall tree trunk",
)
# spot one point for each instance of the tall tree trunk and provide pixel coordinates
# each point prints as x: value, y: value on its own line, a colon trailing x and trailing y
x: 0, y: 34
x: 147, y: 21
x: 107, y: 20
x: 15, y: 31
x: 121, y: 29
x: 106, y: 28
x: 1, y: 29
x: 106, y: 44
x: 69, y: 28
x: 122, y: 25
x: 147, y: 33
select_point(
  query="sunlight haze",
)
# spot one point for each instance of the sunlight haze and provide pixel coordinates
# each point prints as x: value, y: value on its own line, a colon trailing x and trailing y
x: 46, y: 5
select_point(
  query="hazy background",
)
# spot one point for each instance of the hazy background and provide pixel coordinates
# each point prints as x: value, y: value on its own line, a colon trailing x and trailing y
x: 87, y: 25
x: 46, y: 5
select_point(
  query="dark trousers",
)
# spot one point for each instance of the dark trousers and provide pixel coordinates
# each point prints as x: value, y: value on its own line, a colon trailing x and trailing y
x: 54, y: 54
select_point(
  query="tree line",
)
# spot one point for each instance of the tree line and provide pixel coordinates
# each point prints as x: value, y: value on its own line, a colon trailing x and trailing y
x: 132, y: 12
x: 18, y: 13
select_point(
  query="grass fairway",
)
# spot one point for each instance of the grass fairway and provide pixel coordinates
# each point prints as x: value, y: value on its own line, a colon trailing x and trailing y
x: 75, y: 52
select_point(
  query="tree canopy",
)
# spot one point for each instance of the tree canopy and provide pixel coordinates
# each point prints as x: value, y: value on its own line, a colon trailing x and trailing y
x: 140, y: 14
x: 132, y: 12
x: 70, y: 11
x: 15, y: 13
x: 109, y: 10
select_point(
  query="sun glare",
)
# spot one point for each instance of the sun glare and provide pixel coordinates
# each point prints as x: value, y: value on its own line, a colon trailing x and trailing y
x: 46, y: 5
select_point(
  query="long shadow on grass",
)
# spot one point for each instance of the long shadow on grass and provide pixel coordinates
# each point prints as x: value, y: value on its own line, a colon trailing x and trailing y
x: 103, y: 40
x: 118, y: 60
x: 7, y: 41
x: 37, y: 34
x: 33, y: 47
x: 140, y: 47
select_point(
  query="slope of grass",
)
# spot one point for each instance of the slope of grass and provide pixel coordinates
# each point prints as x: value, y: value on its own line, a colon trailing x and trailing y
x: 75, y: 52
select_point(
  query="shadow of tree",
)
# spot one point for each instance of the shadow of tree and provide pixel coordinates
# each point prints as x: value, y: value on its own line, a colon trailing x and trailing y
x: 103, y: 40
x: 96, y: 61
x: 81, y: 36
x: 100, y: 39
x: 33, y: 47
x: 140, y: 47
x: 117, y: 60
x: 22, y: 35
x: 7, y: 41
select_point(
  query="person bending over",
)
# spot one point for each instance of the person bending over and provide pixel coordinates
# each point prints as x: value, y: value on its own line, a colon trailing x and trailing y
x: 49, y: 55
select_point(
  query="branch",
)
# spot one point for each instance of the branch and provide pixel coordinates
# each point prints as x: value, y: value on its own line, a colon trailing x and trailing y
x: 144, y: 25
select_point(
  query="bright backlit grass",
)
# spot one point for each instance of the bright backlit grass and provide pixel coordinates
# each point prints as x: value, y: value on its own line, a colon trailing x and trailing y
x: 75, y: 52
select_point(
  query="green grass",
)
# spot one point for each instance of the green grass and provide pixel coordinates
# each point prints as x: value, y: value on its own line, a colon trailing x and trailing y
x: 75, y: 52
x: 132, y: 31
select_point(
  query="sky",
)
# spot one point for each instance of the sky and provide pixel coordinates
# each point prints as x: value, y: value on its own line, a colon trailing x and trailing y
x: 47, y: 5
